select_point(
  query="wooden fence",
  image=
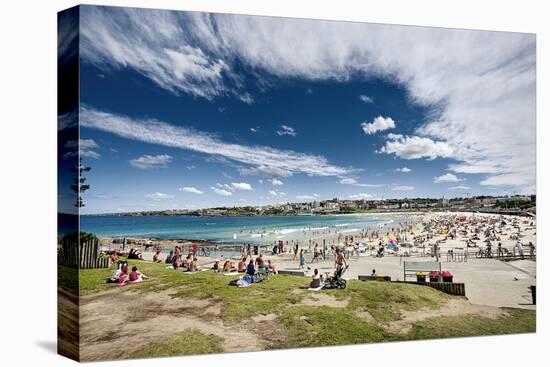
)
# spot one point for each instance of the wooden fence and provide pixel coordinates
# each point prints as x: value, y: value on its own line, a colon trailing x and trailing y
x: 455, y: 289
x: 83, y: 256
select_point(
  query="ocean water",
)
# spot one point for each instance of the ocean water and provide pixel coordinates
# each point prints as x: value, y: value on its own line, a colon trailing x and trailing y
x: 254, y: 230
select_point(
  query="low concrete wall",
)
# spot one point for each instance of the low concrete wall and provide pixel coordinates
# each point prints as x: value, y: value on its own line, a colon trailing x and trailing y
x: 376, y: 278
x: 300, y: 273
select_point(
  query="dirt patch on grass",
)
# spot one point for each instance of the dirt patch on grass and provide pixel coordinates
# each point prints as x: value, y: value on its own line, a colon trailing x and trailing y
x: 115, y: 324
x: 455, y: 307
x: 270, y: 331
x: 365, y: 315
x: 323, y: 299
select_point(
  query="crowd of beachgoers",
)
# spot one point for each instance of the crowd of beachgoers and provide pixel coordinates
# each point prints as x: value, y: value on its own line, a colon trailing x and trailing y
x: 431, y: 235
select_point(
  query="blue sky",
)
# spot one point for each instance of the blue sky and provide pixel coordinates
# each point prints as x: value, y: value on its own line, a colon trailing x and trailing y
x: 191, y: 110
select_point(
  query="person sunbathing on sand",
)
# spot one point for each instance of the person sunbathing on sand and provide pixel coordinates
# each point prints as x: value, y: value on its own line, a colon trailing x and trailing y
x: 241, y: 266
x: 136, y: 276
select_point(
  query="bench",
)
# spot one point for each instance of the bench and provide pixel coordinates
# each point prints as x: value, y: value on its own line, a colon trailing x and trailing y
x: 379, y: 278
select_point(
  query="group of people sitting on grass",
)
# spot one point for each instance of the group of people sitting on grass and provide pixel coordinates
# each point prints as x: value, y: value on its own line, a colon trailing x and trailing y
x: 121, y: 276
x: 242, y: 267
x: 175, y: 258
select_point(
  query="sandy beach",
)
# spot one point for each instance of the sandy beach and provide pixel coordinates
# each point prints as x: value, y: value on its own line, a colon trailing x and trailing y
x: 489, y: 281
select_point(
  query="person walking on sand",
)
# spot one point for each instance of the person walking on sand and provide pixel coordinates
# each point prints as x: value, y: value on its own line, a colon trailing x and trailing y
x: 340, y: 260
x: 315, y: 254
x: 302, y: 259
x: 295, y: 251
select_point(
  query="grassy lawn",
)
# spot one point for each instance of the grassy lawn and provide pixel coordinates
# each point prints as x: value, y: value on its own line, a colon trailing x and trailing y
x: 307, y: 325
x: 188, y: 342
x: 321, y: 326
x: 518, y: 321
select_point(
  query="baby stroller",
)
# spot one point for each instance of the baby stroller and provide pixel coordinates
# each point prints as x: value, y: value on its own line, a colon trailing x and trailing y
x: 336, y: 281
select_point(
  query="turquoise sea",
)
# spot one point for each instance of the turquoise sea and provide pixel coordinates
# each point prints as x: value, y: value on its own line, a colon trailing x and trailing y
x: 255, y: 230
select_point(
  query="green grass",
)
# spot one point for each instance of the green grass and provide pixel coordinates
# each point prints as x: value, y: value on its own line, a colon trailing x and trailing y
x: 187, y: 342
x: 517, y: 321
x: 385, y: 301
x: 321, y: 326
x: 306, y: 326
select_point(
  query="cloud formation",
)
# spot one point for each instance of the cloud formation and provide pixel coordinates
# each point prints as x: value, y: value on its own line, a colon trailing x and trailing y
x: 221, y: 192
x: 378, y: 124
x: 307, y: 197
x: 191, y: 190
x: 459, y: 187
x: 448, y: 177
x: 415, y: 147
x: 403, y: 170
x: 478, y: 86
x: 353, y: 181
x: 159, y: 196
x: 286, y: 130
x: 365, y: 99
x: 260, y: 160
x: 402, y: 188
x: 151, y: 161
x: 87, y: 148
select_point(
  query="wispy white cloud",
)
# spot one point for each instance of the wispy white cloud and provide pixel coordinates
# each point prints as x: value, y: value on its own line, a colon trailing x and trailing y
x: 87, y: 149
x: 276, y: 182
x: 221, y: 192
x: 191, y: 190
x: 244, y: 186
x: 403, y: 170
x: 459, y: 187
x: 447, y: 177
x: 353, y: 181
x: 151, y: 161
x: 378, y: 124
x: 159, y: 196
x: 286, y: 130
x: 403, y: 188
x: 478, y: 86
x: 246, y: 98
x: 277, y: 193
x: 154, y: 44
x: 261, y: 160
x: 365, y: 99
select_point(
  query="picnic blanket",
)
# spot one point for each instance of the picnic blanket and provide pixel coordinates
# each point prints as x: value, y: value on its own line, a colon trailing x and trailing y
x: 316, y: 289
